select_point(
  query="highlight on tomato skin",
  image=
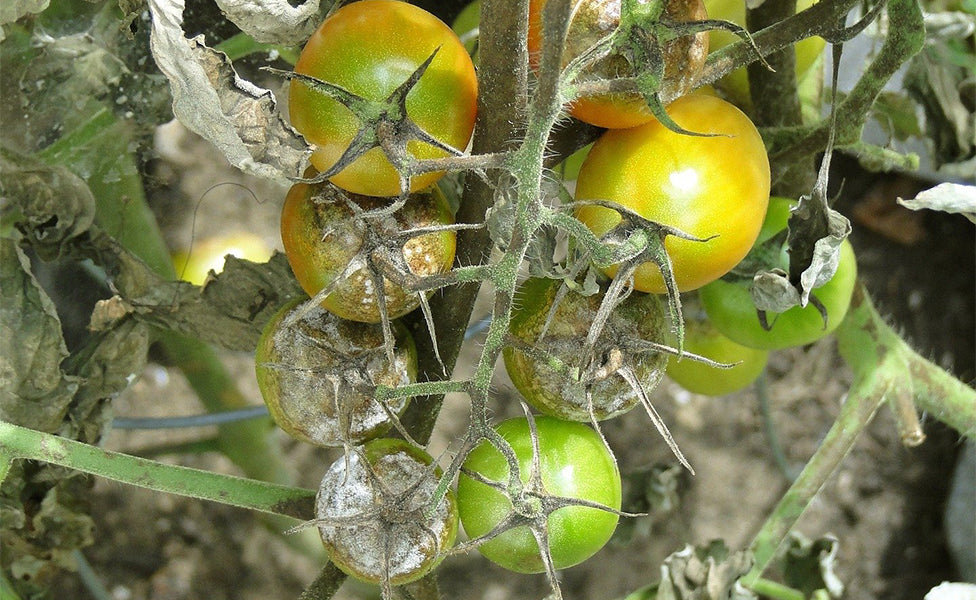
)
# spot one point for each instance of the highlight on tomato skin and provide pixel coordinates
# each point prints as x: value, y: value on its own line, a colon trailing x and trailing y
x: 321, y: 238
x: 592, y: 20
x: 713, y: 188
x: 574, y: 463
x: 195, y: 263
x: 370, y: 48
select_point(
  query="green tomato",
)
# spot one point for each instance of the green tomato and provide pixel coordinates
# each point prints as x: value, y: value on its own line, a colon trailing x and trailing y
x: 736, y: 83
x: 703, y: 339
x: 574, y: 463
x: 730, y: 308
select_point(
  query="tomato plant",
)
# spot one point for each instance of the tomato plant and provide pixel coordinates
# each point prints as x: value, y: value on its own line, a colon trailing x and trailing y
x: 84, y: 99
x: 729, y: 304
x: 195, y: 263
x: 736, y: 83
x: 321, y: 238
x: 715, y: 188
x: 588, y: 382
x: 573, y: 463
x: 371, y: 511
x: 311, y: 393
x: 593, y: 20
x: 370, y: 48
x: 703, y: 339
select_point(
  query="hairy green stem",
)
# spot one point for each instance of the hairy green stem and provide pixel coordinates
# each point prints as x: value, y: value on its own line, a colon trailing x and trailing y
x: 876, y: 353
x: 884, y: 368
x: 855, y: 414
x: 22, y: 443
x: 905, y: 37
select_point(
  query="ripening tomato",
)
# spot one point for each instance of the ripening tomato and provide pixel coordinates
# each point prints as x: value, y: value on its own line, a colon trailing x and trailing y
x: 730, y: 308
x: 703, y: 339
x: 370, y: 48
x: 736, y: 83
x: 593, y: 20
x: 574, y: 463
x: 709, y: 187
x: 321, y: 237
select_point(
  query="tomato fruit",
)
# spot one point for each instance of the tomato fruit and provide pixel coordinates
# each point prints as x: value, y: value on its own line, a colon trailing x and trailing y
x: 311, y: 392
x: 372, y: 512
x: 594, y: 19
x: 195, y: 263
x: 574, y: 463
x: 704, y: 186
x: 703, y: 339
x: 736, y: 83
x: 321, y: 238
x: 370, y: 48
x: 730, y: 308
x: 560, y: 394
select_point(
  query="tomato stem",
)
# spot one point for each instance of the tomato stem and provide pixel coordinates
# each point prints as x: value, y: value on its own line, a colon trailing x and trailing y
x: 22, y: 443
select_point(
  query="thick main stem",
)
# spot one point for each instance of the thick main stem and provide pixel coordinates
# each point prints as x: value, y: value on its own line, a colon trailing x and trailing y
x: 502, y: 81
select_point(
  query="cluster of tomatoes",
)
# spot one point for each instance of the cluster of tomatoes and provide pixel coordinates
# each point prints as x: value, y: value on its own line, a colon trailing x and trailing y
x: 383, y: 84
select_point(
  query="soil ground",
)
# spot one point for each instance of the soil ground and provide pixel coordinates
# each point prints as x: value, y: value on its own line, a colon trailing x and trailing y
x: 885, y: 504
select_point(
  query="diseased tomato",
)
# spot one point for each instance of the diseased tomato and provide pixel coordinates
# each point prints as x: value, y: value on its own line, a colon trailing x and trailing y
x: 564, y: 394
x: 730, y: 308
x: 304, y: 375
x: 593, y: 20
x: 374, y: 514
x: 573, y: 463
x: 321, y: 238
x: 709, y: 187
x: 703, y: 339
x: 370, y: 48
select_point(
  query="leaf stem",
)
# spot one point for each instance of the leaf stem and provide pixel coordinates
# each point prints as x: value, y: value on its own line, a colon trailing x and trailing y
x: 23, y: 443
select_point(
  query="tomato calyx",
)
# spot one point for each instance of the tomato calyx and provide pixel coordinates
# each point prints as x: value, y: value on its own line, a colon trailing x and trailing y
x: 531, y: 503
x: 396, y: 266
x: 319, y: 378
x: 373, y: 513
x: 636, y: 240
x: 384, y: 124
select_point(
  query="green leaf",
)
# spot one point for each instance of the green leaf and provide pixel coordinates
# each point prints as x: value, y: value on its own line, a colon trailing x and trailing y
x: 896, y: 113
